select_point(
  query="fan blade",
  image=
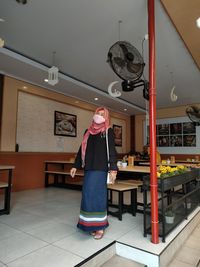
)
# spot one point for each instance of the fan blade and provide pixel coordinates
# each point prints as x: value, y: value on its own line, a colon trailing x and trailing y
x: 119, y: 61
x: 128, y: 55
x: 124, y: 49
x: 134, y: 67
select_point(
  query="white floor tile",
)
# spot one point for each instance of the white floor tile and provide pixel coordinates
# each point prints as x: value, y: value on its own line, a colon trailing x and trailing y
x: 136, y: 239
x: 193, y: 242
x: 52, y: 231
x: 177, y: 263
x: 49, y: 256
x: 17, y: 246
x: 118, y: 228
x: 49, y: 215
x: 118, y: 261
x: 7, y: 231
x: 188, y: 255
x: 82, y: 244
x: 21, y: 220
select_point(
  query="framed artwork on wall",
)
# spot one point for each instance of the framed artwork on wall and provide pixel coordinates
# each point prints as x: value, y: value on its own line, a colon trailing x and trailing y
x: 175, y: 135
x: 65, y: 124
x: 117, y: 134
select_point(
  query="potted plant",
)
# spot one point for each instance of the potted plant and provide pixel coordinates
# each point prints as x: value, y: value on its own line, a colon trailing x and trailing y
x: 124, y: 161
x: 169, y: 217
x: 188, y: 203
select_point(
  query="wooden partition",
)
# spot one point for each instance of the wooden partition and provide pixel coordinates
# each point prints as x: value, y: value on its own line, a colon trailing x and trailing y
x: 29, y: 167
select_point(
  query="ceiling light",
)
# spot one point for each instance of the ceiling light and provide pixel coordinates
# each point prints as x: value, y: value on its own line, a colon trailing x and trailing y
x: 198, y: 22
x: 96, y: 98
x: 24, y: 87
x: 125, y: 109
x: 46, y: 80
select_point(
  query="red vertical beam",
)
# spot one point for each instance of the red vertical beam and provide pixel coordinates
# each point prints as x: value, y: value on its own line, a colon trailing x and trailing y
x: 152, y: 122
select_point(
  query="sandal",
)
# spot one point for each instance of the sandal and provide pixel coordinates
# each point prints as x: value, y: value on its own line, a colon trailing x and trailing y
x: 93, y: 233
x: 99, y: 234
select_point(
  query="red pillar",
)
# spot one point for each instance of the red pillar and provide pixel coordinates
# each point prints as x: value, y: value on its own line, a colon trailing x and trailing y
x: 152, y: 123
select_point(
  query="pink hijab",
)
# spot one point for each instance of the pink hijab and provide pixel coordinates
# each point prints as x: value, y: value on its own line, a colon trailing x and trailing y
x: 95, y: 129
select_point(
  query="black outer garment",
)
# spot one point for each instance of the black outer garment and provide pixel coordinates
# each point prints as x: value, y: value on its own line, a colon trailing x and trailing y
x: 96, y: 153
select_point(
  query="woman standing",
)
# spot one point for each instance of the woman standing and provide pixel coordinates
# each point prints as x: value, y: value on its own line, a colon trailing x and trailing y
x: 92, y: 156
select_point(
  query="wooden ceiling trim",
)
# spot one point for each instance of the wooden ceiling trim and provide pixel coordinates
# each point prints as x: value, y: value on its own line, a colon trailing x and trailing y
x: 183, y: 14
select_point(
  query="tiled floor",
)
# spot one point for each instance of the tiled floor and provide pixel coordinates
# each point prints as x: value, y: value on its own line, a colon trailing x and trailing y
x: 41, y: 231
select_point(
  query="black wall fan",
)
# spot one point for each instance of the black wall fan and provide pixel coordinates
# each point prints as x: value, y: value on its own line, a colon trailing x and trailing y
x: 193, y: 113
x: 128, y: 64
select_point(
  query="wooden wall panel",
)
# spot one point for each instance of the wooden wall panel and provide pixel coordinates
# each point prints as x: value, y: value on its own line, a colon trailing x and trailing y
x: 29, y: 167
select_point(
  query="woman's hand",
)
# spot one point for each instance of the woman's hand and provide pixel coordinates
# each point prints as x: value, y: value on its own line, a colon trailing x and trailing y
x: 113, y: 175
x: 73, y: 172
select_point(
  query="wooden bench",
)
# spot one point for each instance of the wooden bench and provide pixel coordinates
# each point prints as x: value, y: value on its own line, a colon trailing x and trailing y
x: 7, y: 189
x: 120, y: 188
x: 63, y: 175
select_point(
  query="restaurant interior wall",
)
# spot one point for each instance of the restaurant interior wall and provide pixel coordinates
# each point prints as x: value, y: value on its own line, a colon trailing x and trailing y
x: 29, y: 165
x: 13, y: 89
x: 165, y: 114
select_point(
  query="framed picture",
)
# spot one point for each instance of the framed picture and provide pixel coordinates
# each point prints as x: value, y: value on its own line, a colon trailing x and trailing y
x: 189, y: 140
x: 65, y: 124
x: 117, y: 134
x: 163, y: 140
x: 189, y: 128
x: 176, y: 128
x: 176, y: 140
x: 163, y: 129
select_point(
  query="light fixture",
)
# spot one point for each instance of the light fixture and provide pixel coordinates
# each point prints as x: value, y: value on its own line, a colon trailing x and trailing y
x: 112, y: 91
x: 125, y: 109
x: 198, y: 22
x: 52, y: 73
x: 46, y: 80
x: 24, y: 87
x: 23, y: 2
x: 96, y: 98
x: 173, y: 96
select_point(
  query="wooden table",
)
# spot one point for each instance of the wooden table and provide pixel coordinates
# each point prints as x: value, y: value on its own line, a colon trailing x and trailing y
x: 7, y: 187
x: 188, y: 161
x: 140, y: 169
x: 161, y: 164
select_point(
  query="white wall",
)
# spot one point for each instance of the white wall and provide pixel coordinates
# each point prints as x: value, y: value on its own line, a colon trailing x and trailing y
x: 35, y: 125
